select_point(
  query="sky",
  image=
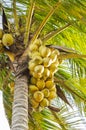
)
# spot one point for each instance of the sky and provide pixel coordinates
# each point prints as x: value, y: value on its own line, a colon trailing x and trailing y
x: 3, y: 120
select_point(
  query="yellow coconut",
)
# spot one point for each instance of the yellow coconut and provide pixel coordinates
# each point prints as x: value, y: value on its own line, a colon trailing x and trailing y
x: 31, y: 65
x: 34, y: 103
x: 55, y: 51
x: 39, y: 69
x: 53, y: 57
x: 33, y: 47
x: 7, y: 39
x: 53, y: 67
x: 56, y: 63
x: 52, y: 95
x: 51, y: 75
x: 46, y: 73
x: 46, y: 92
x: 35, y: 54
x: 44, y: 51
x: 33, y: 80
x: 40, y: 84
x: 36, y: 75
x: 33, y: 88
x: 47, y: 62
x: 37, y: 59
x: 49, y: 84
x: 44, y: 103
x: 38, y: 96
x: 53, y: 88
x: 38, y: 42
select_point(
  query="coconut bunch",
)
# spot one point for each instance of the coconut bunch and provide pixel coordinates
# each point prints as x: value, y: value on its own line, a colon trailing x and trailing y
x: 6, y: 39
x: 42, y: 66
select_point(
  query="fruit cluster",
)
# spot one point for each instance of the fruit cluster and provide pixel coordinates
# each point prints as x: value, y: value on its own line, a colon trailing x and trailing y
x: 42, y: 65
x: 5, y: 39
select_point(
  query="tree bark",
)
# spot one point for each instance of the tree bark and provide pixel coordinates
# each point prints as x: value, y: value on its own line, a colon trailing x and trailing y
x: 20, y: 103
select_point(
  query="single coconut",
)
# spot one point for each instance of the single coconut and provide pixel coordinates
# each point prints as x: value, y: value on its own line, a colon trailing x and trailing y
x: 7, y: 39
x: 38, y: 96
x: 44, y: 103
x: 40, y: 84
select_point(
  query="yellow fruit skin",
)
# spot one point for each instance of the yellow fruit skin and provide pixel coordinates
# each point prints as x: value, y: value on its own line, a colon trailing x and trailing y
x: 38, y: 42
x: 33, y: 80
x: 52, y: 95
x: 47, y: 62
x: 33, y: 47
x: 7, y: 40
x: 31, y: 65
x: 49, y: 84
x: 46, y: 73
x: 55, y: 51
x: 39, y: 69
x: 1, y: 33
x: 53, y: 67
x: 34, y: 103
x: 37, y: 60
x: 46, y: 92
x: 48, y: 52
x: 44, y: 51
x: 38, y: 96
x: 53, y: 89
x: 56, y: 63
x: 40, y: 84
x: 44, y: 103
x: 35, y: 54
x: 51, y: 75
x: 36, y: 75
x: 53, y: 57
x: 33, y: 88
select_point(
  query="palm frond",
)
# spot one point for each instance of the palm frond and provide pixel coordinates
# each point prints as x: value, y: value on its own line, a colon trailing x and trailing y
x: 53, y: 33
x: 16, y: 20
x: 45, y: 20
x: 78, y: 67
x: 28, y: 23
x: 7, y: 101
x: 65, y: 119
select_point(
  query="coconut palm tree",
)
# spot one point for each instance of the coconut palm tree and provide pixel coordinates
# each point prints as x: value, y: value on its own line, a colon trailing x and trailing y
x: 60, y: 24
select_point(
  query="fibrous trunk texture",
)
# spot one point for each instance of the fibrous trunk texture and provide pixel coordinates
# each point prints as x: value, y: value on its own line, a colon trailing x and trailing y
x: 20, y: 104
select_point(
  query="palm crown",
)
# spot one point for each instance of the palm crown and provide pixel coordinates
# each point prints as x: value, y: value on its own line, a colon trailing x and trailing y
x: 59, y: 25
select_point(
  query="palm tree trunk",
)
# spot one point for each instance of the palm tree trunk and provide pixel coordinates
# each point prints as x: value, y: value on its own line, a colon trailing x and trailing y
x: 20, y: 104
